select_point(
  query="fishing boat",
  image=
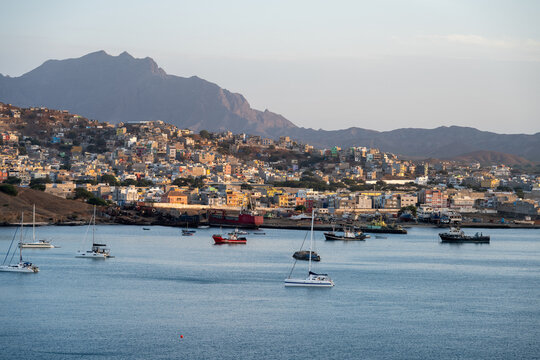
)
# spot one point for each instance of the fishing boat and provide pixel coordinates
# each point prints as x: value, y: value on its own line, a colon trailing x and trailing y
x: 36, y: 244
x: 232, y: 239
x: 348, y: 235
x: 98, y: 251
x: 313, y: 279
x: 455, y: 235
x: 21, y: 266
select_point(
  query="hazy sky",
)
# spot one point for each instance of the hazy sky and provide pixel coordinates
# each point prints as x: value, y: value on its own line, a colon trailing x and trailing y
x: 323, y: 64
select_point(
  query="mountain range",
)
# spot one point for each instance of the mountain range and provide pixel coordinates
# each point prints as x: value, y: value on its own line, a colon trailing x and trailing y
x: 125, y: 89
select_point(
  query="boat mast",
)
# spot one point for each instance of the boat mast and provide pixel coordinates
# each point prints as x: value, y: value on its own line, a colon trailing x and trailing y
x: 311, y: 240
x: 21, y: 238
x: 34, y: 224
x: 94, y: 227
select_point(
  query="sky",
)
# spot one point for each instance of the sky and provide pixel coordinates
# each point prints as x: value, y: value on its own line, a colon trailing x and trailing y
x: 379, y: 65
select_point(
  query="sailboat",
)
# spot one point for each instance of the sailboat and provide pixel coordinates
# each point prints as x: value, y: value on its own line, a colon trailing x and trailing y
x: 22, y: 266
x: 39, y: 244
x: 187, y: 232
x: 98, y: 251
x: 313, y: 279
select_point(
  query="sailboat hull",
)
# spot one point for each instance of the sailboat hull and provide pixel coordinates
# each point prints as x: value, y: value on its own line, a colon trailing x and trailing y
x: 37, y: 245
x: 20, y: 268
x: 92, y: 255
x: 307, y: 283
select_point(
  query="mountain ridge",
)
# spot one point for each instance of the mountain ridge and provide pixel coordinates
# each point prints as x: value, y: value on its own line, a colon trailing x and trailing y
x: 123, y: 88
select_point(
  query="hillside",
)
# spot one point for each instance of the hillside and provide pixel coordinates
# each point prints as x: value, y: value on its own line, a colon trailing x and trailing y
x: 441, y: 142
x: 49, y: 208
x: 125, y: 89
x: 491, y: 158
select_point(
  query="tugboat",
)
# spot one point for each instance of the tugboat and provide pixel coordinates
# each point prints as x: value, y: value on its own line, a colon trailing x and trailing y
x: 381, y: 227
x: 455, y: 235
x: 232, y: 239
x: 348, y: 235
x: 304, y: 255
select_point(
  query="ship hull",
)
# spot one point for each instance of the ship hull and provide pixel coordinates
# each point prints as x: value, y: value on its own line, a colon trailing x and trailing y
x: 331, y: 236
x: 383, y: 230
x: 464, y: 239
x: 240, y: 221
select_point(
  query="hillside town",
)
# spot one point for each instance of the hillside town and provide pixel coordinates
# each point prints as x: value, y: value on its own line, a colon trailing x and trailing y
x: 153, y: 164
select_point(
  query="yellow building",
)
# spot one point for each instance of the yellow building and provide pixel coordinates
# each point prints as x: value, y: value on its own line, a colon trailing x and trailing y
x: 236, y: 199
x: 490, y: 183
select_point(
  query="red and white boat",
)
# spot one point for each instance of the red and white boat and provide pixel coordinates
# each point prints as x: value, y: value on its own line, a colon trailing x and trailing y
x: 232, y: 239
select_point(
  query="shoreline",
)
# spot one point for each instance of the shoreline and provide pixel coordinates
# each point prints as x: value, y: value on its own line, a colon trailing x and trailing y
x: 287, y: 225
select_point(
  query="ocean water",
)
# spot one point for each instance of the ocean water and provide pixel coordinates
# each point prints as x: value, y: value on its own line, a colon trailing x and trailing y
x: 165, y: 296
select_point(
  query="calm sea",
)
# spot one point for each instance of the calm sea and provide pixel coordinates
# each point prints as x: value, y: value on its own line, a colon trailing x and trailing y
x: 165, y: 296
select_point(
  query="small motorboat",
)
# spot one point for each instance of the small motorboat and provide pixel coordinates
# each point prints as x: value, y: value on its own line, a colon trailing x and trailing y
x: 146, y: 228
x: 203, y: 227
x: 259, y: 233
x: 239, y: 232
x: 304, y: 255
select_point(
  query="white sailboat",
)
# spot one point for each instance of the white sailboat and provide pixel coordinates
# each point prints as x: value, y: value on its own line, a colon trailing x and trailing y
x: 98, y: 251
x: 39, y: 244
x: 313, y: 279
x: 22, y: 266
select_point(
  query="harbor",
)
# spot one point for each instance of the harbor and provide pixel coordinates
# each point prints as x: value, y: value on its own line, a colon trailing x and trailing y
x: 393, y: 293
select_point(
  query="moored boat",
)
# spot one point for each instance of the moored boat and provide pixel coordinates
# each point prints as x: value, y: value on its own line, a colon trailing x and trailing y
x: 313, y: 279
x: 98, y: 251
x: 22, y: 266
x: 455, y: 235
x: 39, y: 244
x: 238, y: 232
x: 305, y: 254
x: 348, y: 235
x: 232, y: 239
x: 36, y: 244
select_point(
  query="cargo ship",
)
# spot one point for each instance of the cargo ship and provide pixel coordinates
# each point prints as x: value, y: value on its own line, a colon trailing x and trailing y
x: 244, y: 219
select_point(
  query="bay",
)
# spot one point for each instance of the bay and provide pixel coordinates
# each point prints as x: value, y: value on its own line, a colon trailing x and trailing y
x: 406, y: 296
